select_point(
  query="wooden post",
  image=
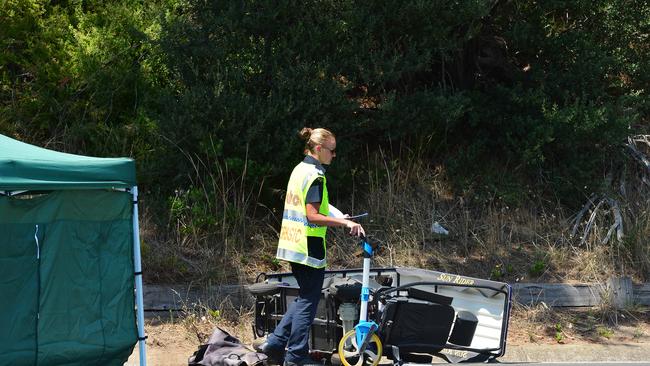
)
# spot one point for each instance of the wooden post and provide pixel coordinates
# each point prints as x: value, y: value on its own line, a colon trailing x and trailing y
x: 621, y: 291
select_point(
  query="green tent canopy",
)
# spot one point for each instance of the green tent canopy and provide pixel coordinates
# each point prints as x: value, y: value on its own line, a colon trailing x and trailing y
x: 69, y: 251
x: 27, y: 167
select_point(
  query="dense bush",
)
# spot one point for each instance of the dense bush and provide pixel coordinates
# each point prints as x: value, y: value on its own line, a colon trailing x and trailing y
x: 505, y: 94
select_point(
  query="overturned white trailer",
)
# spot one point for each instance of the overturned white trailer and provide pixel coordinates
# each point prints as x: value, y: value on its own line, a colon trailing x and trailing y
x: 420, y: 312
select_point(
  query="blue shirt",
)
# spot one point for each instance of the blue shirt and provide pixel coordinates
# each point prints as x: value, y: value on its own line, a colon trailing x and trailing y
x: 315, y: 192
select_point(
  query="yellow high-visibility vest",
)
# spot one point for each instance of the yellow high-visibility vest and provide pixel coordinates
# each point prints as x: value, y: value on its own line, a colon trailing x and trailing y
x: 295, y: 229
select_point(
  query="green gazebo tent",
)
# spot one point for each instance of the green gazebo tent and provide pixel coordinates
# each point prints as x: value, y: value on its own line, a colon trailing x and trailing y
x: 69, y: 258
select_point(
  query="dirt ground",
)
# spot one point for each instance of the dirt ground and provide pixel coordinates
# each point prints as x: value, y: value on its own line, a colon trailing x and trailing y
x: 541, y: 325
x: 173, y: 339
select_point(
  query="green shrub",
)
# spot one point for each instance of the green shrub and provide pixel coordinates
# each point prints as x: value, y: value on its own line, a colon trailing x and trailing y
x: 513, y: 101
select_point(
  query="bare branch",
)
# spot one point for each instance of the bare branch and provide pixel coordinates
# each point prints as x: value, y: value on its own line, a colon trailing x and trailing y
x: 582, y: 212
x: 634, y: 151
x: 618, y: 221
x: 590, y: 223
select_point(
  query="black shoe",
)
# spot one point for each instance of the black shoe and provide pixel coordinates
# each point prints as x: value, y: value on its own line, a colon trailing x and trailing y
x: 275, y: 355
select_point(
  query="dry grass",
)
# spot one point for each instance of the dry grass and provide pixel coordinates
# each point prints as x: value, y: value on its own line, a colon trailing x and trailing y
x: 544, y: 325
x: 194, y: 325
x: 218, y: 234
x: 492, y: 240
x: 184, y: 332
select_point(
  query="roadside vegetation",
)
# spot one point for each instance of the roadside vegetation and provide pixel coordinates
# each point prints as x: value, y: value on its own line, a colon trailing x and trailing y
x: 522, y: 128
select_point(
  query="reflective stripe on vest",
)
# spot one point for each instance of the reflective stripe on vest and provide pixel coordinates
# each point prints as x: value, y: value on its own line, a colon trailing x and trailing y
x: 301, y: 258
x: 292, y: 245
x: 296, y: 216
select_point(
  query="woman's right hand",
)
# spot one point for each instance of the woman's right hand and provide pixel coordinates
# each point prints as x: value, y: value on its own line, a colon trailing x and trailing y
x: 355, y: 228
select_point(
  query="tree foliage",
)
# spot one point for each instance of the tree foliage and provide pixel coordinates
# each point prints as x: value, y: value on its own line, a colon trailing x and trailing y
x: 503, y: 93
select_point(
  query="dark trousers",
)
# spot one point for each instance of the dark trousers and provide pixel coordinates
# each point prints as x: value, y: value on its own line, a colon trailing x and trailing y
x: 293, y: 330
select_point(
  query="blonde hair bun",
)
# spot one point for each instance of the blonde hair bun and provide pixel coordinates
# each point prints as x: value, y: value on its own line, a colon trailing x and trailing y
x: 305, y: 133
x: 314, y: 136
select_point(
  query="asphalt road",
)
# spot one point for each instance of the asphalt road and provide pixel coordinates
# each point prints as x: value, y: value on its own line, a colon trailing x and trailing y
x: 569, y: 363
x: 579, y: 354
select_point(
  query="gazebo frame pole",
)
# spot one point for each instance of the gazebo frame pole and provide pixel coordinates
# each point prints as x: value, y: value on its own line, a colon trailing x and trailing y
x: 138, y: 278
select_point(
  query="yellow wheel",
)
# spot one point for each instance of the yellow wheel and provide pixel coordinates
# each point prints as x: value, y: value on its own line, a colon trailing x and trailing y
x: 349, y: 350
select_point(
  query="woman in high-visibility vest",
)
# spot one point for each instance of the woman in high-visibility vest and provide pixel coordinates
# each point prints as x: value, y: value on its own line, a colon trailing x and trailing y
x: 302, y: 243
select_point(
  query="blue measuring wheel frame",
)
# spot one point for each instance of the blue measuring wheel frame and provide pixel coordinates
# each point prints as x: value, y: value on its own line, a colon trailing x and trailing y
x: 364, y: 330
